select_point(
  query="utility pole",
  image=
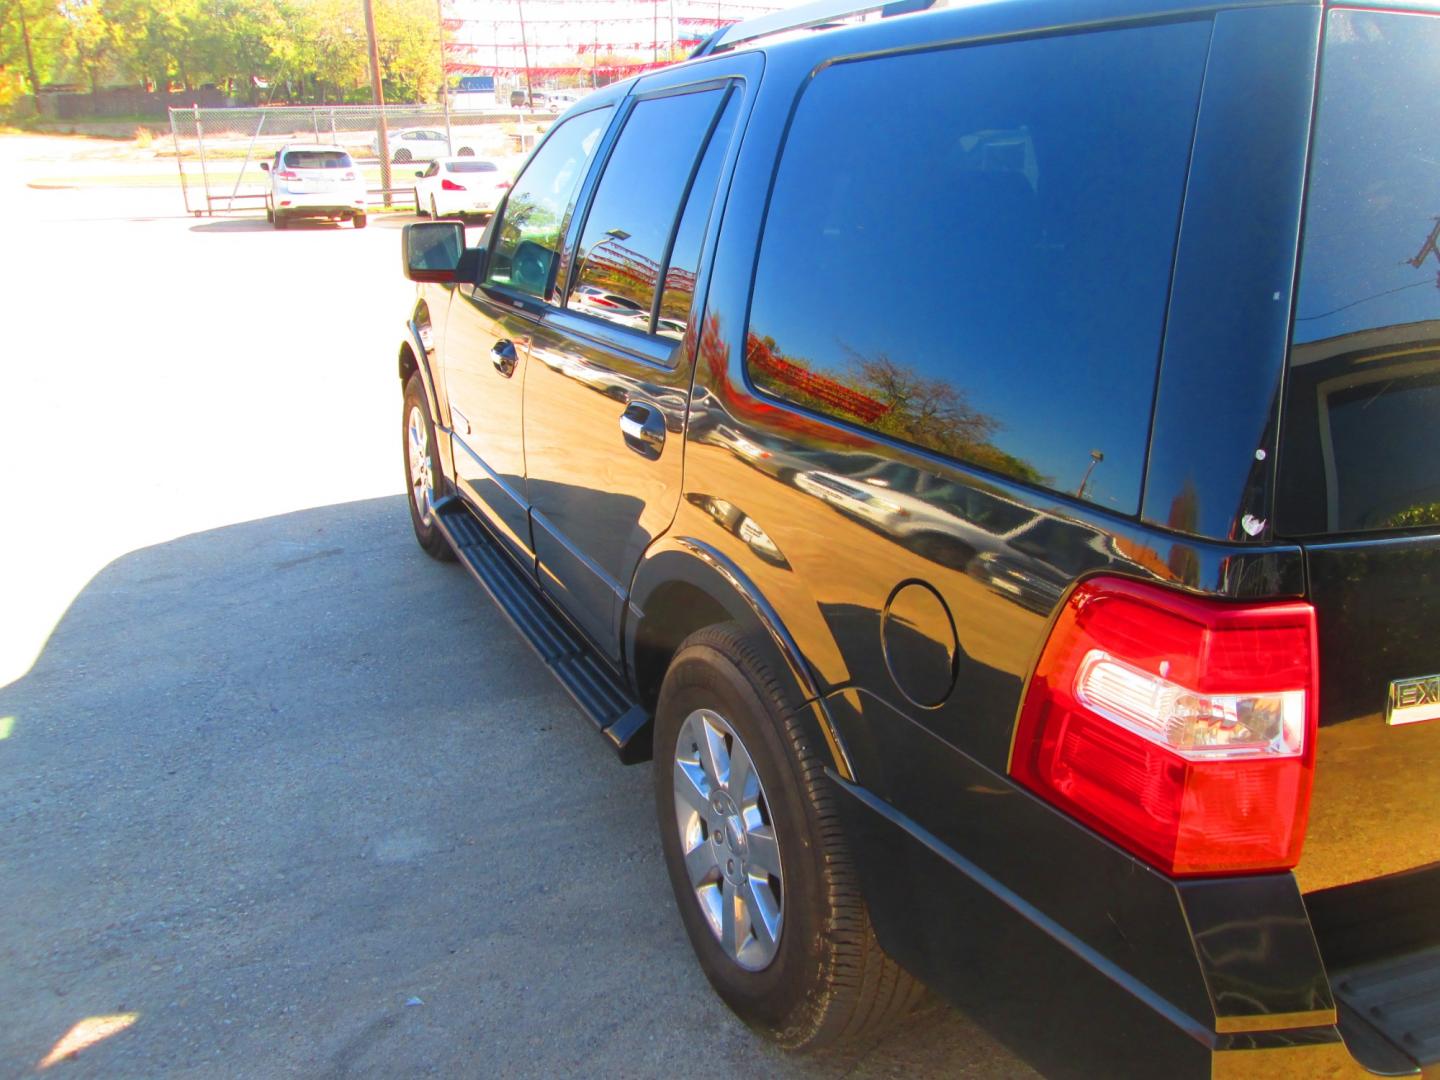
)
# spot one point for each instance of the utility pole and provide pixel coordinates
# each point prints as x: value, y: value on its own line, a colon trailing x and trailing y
x: 525, y: 56
x: 29, y: 58
x: 444, y: 77
x: 377, y: 96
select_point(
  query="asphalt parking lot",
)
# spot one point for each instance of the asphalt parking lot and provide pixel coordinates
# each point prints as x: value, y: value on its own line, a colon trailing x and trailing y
x: 278, y: 794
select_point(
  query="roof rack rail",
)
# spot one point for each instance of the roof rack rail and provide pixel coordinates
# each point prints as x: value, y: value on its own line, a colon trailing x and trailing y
x: 806, y: 16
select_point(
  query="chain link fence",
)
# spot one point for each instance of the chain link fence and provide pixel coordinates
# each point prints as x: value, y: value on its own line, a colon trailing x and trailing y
x: 219, y: 151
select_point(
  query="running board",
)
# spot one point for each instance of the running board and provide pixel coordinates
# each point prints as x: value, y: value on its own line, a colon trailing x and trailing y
x: 599, y: 692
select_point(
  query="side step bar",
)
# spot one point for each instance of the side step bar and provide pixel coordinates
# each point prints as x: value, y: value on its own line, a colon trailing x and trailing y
x: 596, y: 688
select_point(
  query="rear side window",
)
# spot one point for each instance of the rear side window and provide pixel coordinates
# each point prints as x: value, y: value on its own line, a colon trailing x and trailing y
x: 1360, y: 434
x: 318, y: 159
x: 633, y: 215
x: 986, y: 276
x: 684, y: 262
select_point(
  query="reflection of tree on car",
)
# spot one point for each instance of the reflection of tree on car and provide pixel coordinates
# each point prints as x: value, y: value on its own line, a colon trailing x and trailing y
x: 892, y: 398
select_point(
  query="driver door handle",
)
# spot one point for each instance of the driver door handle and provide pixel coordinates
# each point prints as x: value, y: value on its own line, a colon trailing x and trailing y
x: 643, y: 426
x: 504, y: 357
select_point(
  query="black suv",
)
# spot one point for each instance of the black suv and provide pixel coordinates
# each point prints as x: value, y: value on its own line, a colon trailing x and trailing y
x: 1010, y: 520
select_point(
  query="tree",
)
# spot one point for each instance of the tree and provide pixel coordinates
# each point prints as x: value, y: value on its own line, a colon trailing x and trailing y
x: 31, y: 36
x: 92, y: 41
x: 158, y: 40
x: 408, y: 40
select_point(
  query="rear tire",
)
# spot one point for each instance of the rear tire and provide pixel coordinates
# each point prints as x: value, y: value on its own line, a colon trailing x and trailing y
x: 818, y: 976
x: 434, y: 214
x: 465, y: 151
x: 418, y: 208
x: 424, y: 481
x: 359, y: 221
x: 279, y: 220
x: 401, y: 156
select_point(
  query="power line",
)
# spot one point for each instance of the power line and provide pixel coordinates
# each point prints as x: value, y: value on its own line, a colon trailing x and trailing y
x: 1362, y: 300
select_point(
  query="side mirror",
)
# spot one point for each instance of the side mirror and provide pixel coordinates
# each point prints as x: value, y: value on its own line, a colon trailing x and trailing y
x: 264, y: 166
x: 431, y: 250
x: 419, y: 172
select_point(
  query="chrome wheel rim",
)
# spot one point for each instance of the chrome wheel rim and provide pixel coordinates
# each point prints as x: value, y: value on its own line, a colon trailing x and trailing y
x: 421, y: 486
x: 727, y: 839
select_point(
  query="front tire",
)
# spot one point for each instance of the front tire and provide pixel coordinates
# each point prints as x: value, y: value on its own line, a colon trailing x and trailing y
x: 764, y: 880
x: 434, y: 214
x: 401, y: 156
x: 359, y: 221
x: 280, y: 221
x: 418, y: 208
x: 423, y: 479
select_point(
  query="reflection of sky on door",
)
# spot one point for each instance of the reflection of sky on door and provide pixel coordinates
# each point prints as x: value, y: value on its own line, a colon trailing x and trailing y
x: 1374, y: 177
x: 1044, y: 304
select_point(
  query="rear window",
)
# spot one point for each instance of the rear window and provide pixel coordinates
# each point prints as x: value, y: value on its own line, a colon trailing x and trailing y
x: 985, y: 277
x: 1360, y: 442
x: 472, y: 166
x: 318, y: 159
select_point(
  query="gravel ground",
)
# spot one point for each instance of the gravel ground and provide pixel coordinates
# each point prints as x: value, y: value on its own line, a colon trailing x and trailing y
x: 278, y: 794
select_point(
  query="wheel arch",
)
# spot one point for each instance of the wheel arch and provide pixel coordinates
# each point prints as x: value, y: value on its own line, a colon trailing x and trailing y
x: 415, y: 358
x: 684, y: 585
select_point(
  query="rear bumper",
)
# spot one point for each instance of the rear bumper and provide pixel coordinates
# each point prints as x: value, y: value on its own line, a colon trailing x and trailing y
x: 320, y: 203
x: 1040, y: 987
x: 461, y: 204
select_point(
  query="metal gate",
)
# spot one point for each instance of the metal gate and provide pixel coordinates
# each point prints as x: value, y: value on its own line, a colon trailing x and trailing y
x: 219, y: 151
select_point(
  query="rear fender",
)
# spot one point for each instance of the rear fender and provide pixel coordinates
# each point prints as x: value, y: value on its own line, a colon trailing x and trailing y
x: 683, y: 585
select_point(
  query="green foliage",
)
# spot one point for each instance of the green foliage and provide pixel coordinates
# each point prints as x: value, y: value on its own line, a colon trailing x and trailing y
x: 38, y: 21
x: 314, y: 45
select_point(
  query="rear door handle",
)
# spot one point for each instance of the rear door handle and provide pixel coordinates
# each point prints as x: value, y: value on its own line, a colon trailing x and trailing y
x: 504, y: 357
x: 643, y: 426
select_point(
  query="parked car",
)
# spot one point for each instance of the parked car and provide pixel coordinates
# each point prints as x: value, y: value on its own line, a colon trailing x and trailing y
x: 1068, y: 645
x: 521, y: 98
x: 423, y: 144
x: 459, y: 186
x: 557, y: 101
x: 314, y: 181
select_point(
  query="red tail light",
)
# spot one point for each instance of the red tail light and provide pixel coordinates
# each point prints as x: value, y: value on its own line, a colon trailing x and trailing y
x: 451, y: 185
x: 287, y: 174
x: 1182, y: 729
x: 503, y: 185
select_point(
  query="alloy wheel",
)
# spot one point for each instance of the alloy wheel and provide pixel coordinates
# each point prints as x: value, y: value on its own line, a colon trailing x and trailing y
x: 728, y: 840
x: 421, y: 484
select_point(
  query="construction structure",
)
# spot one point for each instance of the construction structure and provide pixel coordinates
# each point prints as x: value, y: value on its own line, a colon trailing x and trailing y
x: 535, y: 44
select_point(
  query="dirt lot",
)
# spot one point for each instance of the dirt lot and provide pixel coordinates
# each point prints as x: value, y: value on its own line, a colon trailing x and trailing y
x: 279, y: 795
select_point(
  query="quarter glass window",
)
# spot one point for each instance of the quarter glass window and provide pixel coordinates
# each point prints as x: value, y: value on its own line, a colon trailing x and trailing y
x: 985, y: 277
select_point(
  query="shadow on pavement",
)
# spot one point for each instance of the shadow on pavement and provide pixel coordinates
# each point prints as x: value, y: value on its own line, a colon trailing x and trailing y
x: 298, y: 799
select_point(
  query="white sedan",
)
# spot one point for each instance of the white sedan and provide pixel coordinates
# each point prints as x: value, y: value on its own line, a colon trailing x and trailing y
x: 422, y: 144
x: 456, y: 186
